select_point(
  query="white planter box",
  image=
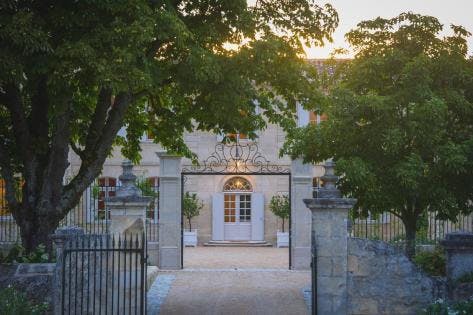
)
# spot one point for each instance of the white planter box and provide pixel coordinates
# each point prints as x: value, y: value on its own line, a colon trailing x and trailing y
x: 283, y: 239
x: 190, y: 238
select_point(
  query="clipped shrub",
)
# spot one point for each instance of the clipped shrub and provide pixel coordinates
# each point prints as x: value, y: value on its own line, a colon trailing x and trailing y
x: 432, y: 263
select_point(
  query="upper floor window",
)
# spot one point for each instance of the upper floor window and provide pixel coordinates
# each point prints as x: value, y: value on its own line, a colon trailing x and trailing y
x: 152, y: 212
x: 317, y: 184
x: 316, y: 119
x: 232, y: 137
x: 236, y: 137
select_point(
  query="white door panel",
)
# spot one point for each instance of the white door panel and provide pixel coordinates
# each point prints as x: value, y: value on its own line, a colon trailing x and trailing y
x: 257, y: 217
x: 237, y: 232
x: 217, y: 217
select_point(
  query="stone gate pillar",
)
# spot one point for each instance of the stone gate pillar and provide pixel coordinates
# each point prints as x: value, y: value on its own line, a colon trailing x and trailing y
x: 459, y: 253
x: 330, y: 233
x: 301, y: 188
x: 169, y: 211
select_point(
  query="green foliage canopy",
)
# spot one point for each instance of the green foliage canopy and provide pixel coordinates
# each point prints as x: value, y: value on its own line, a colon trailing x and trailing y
x: 73, y: 73
x: 400, y: 120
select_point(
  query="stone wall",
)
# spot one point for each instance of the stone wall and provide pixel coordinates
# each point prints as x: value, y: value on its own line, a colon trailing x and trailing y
x: 382, y: 280
x: 34, y: 280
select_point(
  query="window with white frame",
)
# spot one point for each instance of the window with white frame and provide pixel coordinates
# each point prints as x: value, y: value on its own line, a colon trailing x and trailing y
x: 107, y: 187
x: 152, y: 212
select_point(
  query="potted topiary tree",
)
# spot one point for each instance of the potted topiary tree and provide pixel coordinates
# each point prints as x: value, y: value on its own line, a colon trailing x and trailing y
x: 280, y: 206
x: 191, y: 207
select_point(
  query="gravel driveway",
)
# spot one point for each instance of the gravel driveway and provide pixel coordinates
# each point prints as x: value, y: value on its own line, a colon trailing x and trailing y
x: 231, y: 281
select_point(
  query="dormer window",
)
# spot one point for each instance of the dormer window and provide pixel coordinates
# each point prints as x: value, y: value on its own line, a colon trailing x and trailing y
x: 236, y: 137
x: 316, y: 119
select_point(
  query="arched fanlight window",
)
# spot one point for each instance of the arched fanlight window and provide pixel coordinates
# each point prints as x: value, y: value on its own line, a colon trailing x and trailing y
x: 237, y: 184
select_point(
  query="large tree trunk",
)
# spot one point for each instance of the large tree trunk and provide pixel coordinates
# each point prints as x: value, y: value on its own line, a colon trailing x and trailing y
x: 411, y: 230
x: 44, y: 136
x: 36, y: 227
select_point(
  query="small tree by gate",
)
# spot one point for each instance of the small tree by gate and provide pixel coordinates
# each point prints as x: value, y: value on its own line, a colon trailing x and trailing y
x: 191, y: 206
x: 280, y: 206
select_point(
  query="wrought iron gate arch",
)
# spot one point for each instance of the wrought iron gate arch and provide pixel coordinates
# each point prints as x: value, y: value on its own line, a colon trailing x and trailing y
x: 235, y: 159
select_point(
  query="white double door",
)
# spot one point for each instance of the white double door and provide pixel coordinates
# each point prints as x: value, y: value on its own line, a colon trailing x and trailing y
x: 238, y: 217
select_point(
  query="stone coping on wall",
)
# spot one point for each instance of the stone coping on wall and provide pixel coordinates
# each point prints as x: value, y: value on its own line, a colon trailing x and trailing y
x: 458, y: 240
x: 34, y: 280
x: 330, y: 203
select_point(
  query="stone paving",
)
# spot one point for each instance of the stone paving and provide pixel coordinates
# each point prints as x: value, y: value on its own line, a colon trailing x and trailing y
x: 231, y: 281
x: 236, y: 257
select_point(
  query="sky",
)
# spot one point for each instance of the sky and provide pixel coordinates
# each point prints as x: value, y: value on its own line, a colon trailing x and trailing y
x: 459, y: 12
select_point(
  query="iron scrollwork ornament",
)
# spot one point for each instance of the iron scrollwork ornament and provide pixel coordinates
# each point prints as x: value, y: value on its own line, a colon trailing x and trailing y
x: 236, y: 158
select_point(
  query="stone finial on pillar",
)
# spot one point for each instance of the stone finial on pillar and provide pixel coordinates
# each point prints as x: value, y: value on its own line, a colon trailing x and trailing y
x: 329, y: 190
x: 128, y: 187
x: 330, y: 245
x: 128, y: 206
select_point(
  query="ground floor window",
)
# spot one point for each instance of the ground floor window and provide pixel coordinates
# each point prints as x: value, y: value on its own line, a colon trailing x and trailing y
x: 152, y: 212
x: 3, y: 202
x: 106, y: 188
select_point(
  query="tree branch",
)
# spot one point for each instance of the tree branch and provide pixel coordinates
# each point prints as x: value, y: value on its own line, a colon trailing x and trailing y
x: 38, y: 118
x: 80, y: 153
x: 15, y: 107
x: 57, y: 159
x: 92, y: 165
x: 21, y: 131
x: 139, y: 95
x: 98, y: 119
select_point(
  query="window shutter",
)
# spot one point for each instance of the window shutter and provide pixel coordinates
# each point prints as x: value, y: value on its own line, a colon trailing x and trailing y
x: 302, y: 116
x: 217, y: 217
x: 257, y: 217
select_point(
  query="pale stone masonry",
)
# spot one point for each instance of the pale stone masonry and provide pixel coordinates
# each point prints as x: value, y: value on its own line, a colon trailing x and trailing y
x: 381, y: 280
x: 459, y: 252
x: 170, y: 212
x: 300, y: 215
x: 269, y: 142
x: 329, y: 227
x: 359, y: 276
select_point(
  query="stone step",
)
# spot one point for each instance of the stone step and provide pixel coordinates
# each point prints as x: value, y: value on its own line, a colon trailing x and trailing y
x: 238, y: 244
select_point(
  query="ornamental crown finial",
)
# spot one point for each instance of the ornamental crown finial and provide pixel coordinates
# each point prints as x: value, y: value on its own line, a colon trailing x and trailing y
x: 329, y: 190
x: 127, y: 179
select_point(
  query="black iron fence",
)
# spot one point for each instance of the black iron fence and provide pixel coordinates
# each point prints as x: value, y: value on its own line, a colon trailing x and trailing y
x: 103, y: 274
x: 90, y: 213
x: 389, y: 228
